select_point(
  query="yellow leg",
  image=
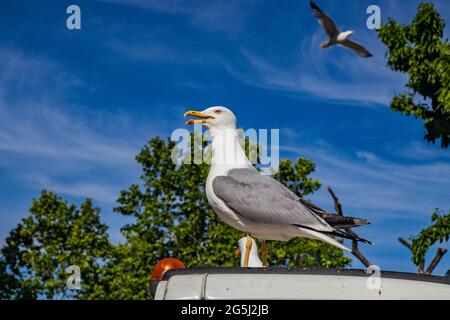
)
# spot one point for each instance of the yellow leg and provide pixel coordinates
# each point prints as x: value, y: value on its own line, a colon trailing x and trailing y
x: 265, y: 253
x: 248, y: 247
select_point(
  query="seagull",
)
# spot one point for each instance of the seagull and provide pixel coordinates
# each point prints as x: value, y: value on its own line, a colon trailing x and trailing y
x: 253, y: 259
x: 335, y: 35
x: 256, y: 204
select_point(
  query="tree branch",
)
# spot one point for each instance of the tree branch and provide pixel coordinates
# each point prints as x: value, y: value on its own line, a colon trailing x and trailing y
x: 410, y: 247
x: 355, y: 250
x: 337, y: 204
x: 359, y: 254
x: 406, y: 243
x: 437, y: 258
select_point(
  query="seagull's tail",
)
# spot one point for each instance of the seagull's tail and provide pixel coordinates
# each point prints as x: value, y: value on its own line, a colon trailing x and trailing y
x: 342, y: 222
x: 346, y: 235
x: 325, y: 45
x: 323, y: 237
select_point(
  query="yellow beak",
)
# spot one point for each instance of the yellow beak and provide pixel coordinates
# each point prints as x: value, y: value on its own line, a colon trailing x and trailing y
x: 203, y: 117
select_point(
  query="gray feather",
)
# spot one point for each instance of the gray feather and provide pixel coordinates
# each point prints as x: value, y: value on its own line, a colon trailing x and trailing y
x: 342, y: 222
x: 263, y: 199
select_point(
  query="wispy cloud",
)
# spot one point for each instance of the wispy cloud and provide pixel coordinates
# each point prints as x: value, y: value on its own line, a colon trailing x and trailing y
x: 153, y: 49
x: 101, y: 192
x: 40, y: 132
x: 209, y: 15
x: 334, y: 74
x: 36, y: 76
x: 419, y: 151
x: 370, y: 183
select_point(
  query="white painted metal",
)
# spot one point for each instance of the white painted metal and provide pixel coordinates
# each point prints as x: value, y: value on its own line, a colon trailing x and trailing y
x: 295, y: 286
x: 188, y: 287
x: 160, y: 290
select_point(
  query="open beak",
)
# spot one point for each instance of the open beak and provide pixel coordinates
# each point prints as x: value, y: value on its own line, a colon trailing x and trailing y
x: 237, y: 254
x: 203, y: 117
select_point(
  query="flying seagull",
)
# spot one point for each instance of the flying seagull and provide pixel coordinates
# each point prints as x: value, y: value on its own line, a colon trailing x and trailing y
x: 335, y: 35
x: 253, y: 259
x: 256, y: 204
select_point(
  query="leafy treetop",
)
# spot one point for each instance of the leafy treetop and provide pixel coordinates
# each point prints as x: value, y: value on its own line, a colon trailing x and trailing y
x: 419, y: 50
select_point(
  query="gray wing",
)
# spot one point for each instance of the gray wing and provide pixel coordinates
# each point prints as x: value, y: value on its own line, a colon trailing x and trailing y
x: 325, y: 21
x: 263, y: 199
x: 357, y: 47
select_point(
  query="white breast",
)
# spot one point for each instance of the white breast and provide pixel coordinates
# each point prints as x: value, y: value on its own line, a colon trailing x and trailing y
x: 219, y: 207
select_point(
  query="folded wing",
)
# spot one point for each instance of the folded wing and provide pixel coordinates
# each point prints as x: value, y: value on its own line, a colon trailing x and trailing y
x: 263, y: 199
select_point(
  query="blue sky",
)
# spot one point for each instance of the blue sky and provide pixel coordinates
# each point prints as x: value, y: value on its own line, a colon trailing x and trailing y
x: 77, y: 106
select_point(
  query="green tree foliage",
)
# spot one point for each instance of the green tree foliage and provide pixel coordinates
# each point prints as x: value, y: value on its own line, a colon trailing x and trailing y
x: 439, y: 231
x: 419, y: 50
x: 56, y: 235
x: 296, y: 176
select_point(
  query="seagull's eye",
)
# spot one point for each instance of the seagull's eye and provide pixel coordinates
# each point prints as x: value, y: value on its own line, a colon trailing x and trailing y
x: 217, y: 111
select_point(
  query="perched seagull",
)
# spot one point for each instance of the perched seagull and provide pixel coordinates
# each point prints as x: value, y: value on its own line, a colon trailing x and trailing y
x: 253, y: 258
x: 256, y: 204
x: 335, y: 35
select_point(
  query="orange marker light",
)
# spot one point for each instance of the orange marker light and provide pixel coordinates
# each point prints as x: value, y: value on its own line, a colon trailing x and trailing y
x: 165, y: 265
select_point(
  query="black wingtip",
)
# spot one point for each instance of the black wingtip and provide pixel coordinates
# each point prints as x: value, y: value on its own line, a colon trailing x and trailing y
x: 359, y: 239
x: 313, y: 5
x: 346, y: 235
x: 363, y: 240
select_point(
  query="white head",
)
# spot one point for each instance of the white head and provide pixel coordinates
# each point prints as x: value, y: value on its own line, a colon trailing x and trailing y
x: 213, y: 117
x: 253, y: 260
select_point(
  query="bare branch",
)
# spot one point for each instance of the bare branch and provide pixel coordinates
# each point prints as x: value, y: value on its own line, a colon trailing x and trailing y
x: 437, y: 258
x: 406, y: 243
x: 410, y: 247
x: 355, y: 250
x: 359, y: 254
x: 337, y: 204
